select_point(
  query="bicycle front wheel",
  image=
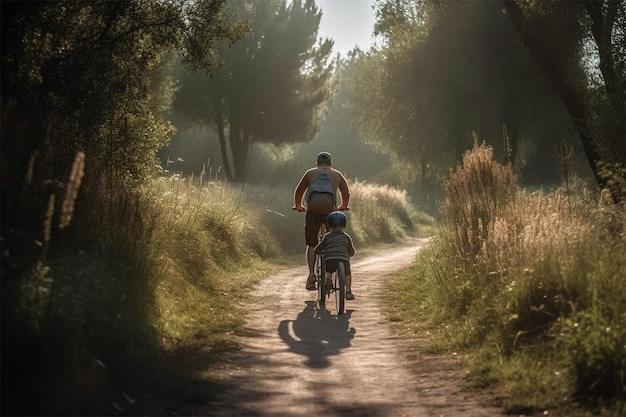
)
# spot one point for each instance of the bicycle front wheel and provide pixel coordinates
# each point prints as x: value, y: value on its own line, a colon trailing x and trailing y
x: 320, y: 269
x: 340, y: 288
x: 321, y: 291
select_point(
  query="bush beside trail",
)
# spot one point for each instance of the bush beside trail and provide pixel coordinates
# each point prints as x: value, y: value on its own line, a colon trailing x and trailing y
x: 531, y: 285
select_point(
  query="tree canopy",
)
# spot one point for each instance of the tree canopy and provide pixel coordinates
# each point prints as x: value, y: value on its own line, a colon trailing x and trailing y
x: 89, y: 76
x: 274, y: 84
x: 447, y: 69
x: 580, y: 47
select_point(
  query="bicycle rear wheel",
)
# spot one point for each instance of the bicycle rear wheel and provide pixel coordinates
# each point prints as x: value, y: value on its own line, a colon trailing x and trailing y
x: 340, y: 288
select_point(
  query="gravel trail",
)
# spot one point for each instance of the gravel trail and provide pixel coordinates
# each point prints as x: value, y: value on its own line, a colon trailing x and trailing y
x: 298, y: 360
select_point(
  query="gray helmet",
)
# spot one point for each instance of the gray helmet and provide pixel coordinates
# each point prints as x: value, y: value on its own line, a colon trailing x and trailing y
x: 324, y: 158
x: 336, y: 218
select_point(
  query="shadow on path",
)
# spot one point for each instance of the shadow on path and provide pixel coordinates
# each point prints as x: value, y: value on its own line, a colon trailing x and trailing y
x: 317, y: 334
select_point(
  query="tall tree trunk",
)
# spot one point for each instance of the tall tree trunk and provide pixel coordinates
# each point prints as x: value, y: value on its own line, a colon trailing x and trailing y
x: 571, y: 98
x: 222, y: 138
x: 614, y: 80
x: 240, y: 155
x: 236, y: 146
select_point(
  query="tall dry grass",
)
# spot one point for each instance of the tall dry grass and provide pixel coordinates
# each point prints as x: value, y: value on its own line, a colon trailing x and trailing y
x: 382, y: 214
x: 546, y: 285
x: 476, y: 193
x: 205, y: 241
x: 140, y: 275
x: 378, y: 214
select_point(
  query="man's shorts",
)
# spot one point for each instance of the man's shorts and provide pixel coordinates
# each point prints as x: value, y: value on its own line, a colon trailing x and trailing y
x: 333, y: 264
x: 312, y: 224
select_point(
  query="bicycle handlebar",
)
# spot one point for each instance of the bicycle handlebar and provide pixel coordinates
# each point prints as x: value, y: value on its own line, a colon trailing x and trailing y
x: 303, y: 210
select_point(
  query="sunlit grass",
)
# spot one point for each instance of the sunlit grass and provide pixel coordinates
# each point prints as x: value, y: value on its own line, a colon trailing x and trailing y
x: 212, y: 241
x: 210, y: 246
x: 384, y: 214
x: 536, y: 293
x: 152, y: 280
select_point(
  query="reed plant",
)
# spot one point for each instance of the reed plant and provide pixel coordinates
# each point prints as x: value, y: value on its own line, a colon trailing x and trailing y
x: 476, y: 193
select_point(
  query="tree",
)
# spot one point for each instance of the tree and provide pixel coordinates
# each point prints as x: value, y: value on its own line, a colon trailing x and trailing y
x: 85, y: 79
x: 387, y: 91
x: 89, y: 76
x: 591, y: 36
x: 274, y: 84
x: 449, y: 68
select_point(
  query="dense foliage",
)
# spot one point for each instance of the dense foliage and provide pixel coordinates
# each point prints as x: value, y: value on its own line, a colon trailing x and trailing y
x: 580, y: 46
x: 90, y: 77
x: 84, y: 89
x: 273, y: 87
x: 532, y: 286
x: 524, y: 75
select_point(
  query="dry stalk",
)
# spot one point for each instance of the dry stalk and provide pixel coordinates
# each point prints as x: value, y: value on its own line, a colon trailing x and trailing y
x: 47, y: 224
x: 76, y: 176
x: 565, y: 156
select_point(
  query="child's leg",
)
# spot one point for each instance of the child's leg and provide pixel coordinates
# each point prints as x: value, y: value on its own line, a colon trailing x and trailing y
x: 348, y: 276
x: 331, y: 266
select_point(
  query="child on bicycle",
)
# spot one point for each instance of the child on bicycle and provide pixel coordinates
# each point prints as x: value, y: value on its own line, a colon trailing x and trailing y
x: 336, y: 246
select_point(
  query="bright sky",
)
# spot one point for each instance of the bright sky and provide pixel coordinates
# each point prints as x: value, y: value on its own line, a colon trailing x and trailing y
x: 348, y: 22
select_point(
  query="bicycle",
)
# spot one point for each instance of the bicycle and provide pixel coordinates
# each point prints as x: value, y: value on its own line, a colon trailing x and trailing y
x: 337, y: 284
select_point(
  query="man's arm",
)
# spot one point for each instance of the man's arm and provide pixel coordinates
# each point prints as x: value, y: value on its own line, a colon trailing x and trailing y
x: 299, y: 193
x: 344, y: 191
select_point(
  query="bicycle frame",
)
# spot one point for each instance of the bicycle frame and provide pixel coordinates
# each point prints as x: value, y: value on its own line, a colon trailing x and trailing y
x: 320, y: 269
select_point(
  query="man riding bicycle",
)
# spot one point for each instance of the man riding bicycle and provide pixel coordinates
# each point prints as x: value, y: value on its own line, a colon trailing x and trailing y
x: 321, y: 184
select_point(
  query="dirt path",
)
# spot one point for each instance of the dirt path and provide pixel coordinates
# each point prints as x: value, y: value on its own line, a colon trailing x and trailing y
x: 300, y: 361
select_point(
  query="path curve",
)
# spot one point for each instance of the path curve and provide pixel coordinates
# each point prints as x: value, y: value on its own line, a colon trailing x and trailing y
x: 298, y: 360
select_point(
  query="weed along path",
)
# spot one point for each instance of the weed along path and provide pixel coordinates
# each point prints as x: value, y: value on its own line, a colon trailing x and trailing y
x: 298, y: 360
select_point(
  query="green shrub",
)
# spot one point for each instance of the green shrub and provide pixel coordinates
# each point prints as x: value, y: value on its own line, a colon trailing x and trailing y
x: 593, y: 342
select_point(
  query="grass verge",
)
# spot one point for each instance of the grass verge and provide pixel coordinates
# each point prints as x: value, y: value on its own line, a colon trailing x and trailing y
x: 532, y: 288
x: 131, y: 307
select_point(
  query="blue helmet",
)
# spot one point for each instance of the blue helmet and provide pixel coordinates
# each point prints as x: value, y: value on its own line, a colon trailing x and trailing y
x: 336, y: 218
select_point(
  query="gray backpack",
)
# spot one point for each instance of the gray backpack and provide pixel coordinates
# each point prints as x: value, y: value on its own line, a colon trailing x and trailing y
x: 321, y: 194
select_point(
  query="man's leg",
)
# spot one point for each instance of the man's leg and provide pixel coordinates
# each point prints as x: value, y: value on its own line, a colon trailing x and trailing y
x: 312, y: 224
x: 310, y: 257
